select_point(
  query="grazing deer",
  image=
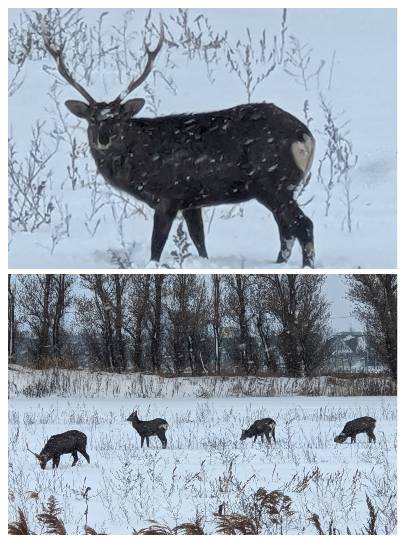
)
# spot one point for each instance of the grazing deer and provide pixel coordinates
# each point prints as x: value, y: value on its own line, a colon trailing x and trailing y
x: 265, y: 427
x: 186, y: 162
x: 365, y: 424
x: 149, y: 428
x: 69, y: 442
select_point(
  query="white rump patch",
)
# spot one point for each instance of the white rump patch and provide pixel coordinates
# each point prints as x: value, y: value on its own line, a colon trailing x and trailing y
x: 303, y: 153
x: 163, y: 426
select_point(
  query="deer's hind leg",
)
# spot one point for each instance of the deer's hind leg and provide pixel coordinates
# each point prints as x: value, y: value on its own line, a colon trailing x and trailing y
x: 195, y: 225
x: 292, y: 223
x: 162, y: 437
x: 75, y: 458
x: 371, y: 436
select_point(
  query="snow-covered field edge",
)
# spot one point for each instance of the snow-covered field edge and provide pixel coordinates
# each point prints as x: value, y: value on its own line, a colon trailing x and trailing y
x: 31, y: 383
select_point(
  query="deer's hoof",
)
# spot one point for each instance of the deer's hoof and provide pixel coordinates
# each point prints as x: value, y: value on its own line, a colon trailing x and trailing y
x: 153, y: 265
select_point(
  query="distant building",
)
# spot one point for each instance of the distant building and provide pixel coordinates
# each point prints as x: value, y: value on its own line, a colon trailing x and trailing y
x: 350, y: 352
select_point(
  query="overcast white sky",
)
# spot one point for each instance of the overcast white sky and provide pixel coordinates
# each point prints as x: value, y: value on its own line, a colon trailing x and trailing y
x: 340, y: 307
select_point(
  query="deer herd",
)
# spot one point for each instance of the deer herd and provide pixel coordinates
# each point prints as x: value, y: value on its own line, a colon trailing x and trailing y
x: 73, y: 441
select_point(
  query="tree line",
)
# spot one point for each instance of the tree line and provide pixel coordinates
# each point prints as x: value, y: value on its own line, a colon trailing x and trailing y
x: 188, y: 323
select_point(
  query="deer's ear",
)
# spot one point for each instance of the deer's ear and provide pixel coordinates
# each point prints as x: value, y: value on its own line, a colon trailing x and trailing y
x: 133, y: 106
x: 78, y: 108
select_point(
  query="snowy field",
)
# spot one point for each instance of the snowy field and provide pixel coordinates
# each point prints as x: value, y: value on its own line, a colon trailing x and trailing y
x: 205, y: 464
x: 351, y: 62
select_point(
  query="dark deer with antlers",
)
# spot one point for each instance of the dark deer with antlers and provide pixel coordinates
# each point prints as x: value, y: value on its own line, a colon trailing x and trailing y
x: 70, y: 442
x: 189, y: 161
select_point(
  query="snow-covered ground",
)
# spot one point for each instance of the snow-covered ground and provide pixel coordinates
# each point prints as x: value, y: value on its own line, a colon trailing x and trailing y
x: 206, y: 464
x: 92, y: 227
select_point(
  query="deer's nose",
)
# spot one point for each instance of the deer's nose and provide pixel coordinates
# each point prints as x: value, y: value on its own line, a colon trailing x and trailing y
x: 104, y: 135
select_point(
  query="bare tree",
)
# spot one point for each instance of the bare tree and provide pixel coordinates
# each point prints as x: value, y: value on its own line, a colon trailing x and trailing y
x: 265, y: 325
x: 62, y: 285
x: 238, y: 300
x: 375, y: 300
x: 138, y: 314
x: 12, y: 323
x: 43, y: 300
x: 299, y: 307
x: 187, y: 310
x: 156, y: 322
x: 217, y: 316
x: 101, y: 318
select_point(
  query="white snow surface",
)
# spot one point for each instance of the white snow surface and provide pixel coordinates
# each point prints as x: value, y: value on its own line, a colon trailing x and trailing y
x: 363, y: 88
x: 205, y: 463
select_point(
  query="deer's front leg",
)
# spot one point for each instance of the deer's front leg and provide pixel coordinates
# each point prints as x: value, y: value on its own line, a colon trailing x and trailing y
x: 165, y: 213
x: 195, y: 227
x: 75, y: 458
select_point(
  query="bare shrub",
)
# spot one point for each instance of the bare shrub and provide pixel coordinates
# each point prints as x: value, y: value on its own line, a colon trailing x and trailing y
x: 337, y: 161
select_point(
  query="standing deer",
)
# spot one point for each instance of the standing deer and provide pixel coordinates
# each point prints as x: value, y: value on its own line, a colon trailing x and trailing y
x: 149, y: 428
x: 265, y: 427
x: 365, y: 424
x: 69, y: 442
x: 186, y: 162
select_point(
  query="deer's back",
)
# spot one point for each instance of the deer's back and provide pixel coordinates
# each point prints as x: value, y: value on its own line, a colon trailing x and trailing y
x: 150, y: 427
x: 262, y: 424
x: 65, y: 442
x: 197, y: 158
x: 359, y: 425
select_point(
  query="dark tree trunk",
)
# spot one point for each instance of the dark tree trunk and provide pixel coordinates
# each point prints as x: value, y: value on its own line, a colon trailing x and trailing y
x: 59, y: 310
x: 140, y: 313
x: 44, y: 345
x: 156, y: 334
x: 217, y: 319
x: 244, y: 340
x: 119, y: 322
x: 11, y: 320
x: 267, y: 347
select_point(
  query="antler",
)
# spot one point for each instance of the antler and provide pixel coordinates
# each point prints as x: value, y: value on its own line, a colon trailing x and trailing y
x: 36, y: 455
x: 148, y: 68
x: 57, y: 56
